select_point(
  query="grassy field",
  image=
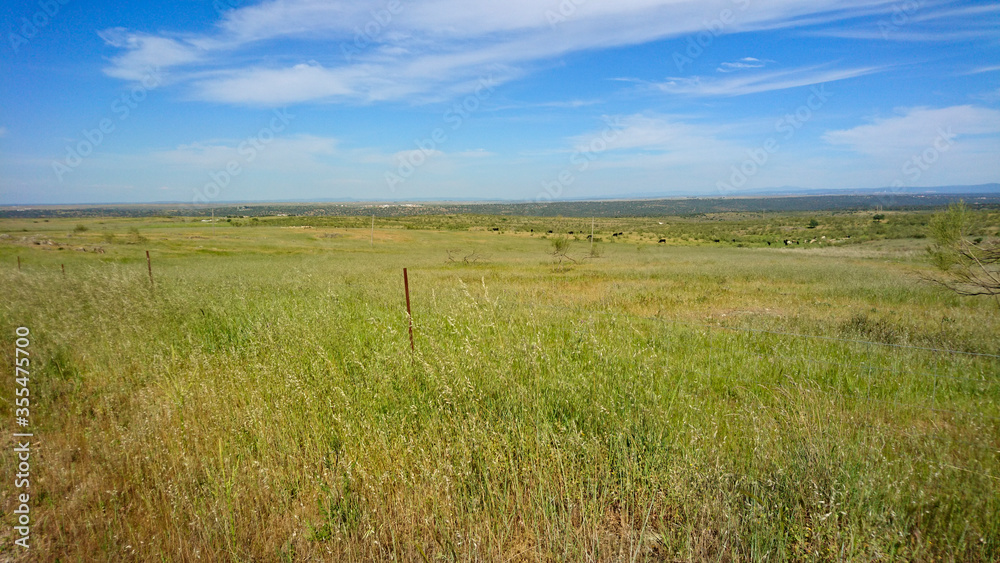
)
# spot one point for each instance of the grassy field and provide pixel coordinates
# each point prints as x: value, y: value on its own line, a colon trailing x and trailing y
x: 719, y: 396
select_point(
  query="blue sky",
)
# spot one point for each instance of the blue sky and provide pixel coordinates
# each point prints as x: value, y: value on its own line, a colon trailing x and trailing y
x: 238, y: 100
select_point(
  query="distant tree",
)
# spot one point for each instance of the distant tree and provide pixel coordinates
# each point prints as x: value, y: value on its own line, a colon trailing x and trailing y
x: 560, y: 246
x: 964, y: 265
x: 877, y: 218
x: 813, y: 223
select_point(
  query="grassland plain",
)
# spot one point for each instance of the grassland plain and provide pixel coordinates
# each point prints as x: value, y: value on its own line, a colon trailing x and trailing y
x: 648, y: 401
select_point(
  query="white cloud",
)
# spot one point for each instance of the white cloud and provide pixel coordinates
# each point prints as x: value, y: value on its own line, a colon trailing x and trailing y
x: 742, y: 64
x: 983, y: 69
x: 760, y: 82
x: 279, y: 153
x: 303, y: 82
x: 923, y: 22
x: 655, y: 142
x: 901, y: 34
x: 922, y: 147
x: 915, y: 129
x: 145, y: 54
x: 416, y: 155
x: 649, y: 132
x: 565, y: 104
x: 421, y: 50
x: 474, y: 153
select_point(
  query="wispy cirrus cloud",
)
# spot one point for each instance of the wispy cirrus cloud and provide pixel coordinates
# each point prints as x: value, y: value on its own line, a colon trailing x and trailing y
x: 760, y: 82
x: 984, y: 69
x: 286, y: 153
x: 417, y: 51
x: 144, y: 53
x: 924, y: 21
x: 745, y: 63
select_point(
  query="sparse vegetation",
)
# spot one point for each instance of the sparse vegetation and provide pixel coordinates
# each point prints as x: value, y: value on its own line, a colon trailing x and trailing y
x: 967, y: 267
x: 135, y: 236
x: 560, y: 247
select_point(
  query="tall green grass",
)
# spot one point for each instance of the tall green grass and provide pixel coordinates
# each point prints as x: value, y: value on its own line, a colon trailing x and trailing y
x: 267, y: 407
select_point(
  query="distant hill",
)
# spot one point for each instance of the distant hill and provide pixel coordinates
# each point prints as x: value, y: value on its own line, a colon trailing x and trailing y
x: 797, y: 191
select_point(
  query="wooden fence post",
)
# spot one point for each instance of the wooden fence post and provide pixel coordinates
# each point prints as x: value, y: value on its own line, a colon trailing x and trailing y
x: 409, y: 316
x: 149, y: 265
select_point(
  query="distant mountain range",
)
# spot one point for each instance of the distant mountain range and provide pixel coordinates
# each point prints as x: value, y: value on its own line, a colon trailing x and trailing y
x: 797, y: 191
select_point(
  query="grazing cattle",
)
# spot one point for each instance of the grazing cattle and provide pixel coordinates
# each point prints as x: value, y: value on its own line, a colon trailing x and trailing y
x: 571, y: 232
x: 769, y: 243
x: 550, y: 232
x: 787, y: 242
x: 715, y: 240
x: 663, y: 240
